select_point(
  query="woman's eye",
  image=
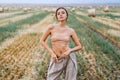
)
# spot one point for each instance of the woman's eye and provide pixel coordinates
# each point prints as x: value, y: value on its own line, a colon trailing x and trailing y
x: 58, y: 14
x: 63, y: 12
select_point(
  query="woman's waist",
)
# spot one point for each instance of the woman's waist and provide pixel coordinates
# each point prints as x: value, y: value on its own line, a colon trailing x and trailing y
x: 60, y: 50
x: 60, y: 47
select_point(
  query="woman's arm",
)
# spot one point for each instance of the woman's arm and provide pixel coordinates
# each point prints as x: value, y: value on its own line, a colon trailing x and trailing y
x: 76, y: 41
x: 44, y: 37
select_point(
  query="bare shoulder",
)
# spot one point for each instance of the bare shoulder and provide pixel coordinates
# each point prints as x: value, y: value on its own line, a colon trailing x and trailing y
x: 50, y: 26
x: 71, y: 29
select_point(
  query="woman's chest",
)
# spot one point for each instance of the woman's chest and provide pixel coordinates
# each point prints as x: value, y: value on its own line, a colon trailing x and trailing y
x: 60, y: 34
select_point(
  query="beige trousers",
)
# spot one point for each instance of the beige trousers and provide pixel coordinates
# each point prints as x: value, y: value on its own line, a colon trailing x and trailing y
x: 66, y: 65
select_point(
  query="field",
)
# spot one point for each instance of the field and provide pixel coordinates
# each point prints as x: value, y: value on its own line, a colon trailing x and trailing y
x: 23, y: 58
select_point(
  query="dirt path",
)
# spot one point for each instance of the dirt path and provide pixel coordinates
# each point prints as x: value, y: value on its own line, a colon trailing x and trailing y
x: 20, y: 56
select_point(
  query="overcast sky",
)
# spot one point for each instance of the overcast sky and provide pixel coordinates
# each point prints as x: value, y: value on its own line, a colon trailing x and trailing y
x: 59, y: 1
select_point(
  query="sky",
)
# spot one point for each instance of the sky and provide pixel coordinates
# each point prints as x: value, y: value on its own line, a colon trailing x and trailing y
x: 59, y: 1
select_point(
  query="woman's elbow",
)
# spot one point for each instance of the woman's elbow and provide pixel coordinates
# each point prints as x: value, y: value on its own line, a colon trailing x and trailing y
x: 80, y: 47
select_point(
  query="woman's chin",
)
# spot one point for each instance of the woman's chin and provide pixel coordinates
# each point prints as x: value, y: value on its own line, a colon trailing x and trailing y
x: 62, y: 20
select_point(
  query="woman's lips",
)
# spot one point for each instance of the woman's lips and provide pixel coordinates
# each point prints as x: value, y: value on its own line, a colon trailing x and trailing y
x: 61, y: 17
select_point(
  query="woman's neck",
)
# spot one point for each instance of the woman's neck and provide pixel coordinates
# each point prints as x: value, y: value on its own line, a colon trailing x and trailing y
x: 62, y: 24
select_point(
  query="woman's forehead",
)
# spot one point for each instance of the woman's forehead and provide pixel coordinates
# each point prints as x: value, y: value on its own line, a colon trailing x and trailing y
x: 61, y: 10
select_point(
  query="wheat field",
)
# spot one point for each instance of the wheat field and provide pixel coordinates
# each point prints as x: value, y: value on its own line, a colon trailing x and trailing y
x: 23, y: 58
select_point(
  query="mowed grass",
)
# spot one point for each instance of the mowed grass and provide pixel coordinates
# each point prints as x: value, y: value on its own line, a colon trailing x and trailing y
x: 98, y: 46
x: 100, y: 27
x: 17, y: 14
x: 109, y: 15
x: 107, y: 57
x: 9, y: 30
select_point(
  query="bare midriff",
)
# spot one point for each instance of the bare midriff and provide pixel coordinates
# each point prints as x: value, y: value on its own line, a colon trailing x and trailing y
x: 59, y: 47
x: 60, y: 40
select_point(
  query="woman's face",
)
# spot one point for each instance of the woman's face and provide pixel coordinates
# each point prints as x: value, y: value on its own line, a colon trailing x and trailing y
x: 61, y: 15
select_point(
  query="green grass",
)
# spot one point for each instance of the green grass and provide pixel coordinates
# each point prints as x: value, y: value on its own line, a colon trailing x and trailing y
x: 82, y: 10
x: 95, y: 24
x: 98, y: 26
x: 108, y: 15
x: 43, y: 66
x: 93, y: 42
x: 9, y: 30
x: 106, y: 55
x: 17, y: 14
x: 115, y: 9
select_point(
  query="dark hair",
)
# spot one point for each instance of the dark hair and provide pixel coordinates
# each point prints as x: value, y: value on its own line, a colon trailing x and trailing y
x: 61, y: 8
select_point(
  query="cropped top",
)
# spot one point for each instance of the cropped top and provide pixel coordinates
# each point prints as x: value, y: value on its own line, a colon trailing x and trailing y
x: 60, y: 41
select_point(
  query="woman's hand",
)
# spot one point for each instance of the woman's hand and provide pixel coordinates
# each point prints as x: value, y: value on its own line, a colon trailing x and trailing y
x: 54, y: 58
x: 66, y: 53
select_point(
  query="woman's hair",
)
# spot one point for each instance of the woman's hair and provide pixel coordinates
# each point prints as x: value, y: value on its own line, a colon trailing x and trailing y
x: 61, y: 8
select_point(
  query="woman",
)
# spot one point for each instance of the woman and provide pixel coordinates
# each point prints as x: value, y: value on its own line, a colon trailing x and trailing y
x: 62, y: 57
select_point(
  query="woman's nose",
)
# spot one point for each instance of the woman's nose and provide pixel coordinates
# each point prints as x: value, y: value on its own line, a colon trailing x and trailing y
x: 60, y: 14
